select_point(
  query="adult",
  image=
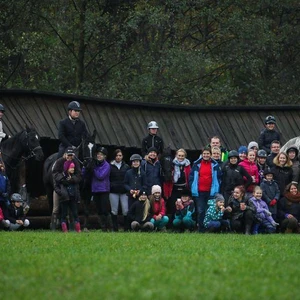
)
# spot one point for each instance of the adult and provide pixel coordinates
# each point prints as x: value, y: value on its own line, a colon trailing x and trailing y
x: 283, y: 172
x: 216, y: 155
x: 242, y: 215
x: 215, y: 141
x: 180, y: 178
x: 293, y: 153
x: 3, y: 135
x: 249, y: 164
x: 205, y: 183
x: 268, y: 134
x: 117, y: 195
x: 275, y: 149
x: 289, y: 210
x: 152, y: 139
x: 71, y: 130
x: 233, y: 175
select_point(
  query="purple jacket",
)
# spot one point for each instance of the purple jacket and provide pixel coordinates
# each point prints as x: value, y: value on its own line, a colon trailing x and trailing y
x: 260, y: 207
x: 100, y: 180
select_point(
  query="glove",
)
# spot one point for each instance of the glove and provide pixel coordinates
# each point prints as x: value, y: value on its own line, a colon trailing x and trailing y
x: 273, y: 202
x: 267, y: 212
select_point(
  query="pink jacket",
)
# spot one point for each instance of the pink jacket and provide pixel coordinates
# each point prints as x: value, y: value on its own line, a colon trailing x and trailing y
x: 252, y: 169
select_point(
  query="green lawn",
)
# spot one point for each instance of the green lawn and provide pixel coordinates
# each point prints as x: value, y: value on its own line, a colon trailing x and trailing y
x: 96, y: 265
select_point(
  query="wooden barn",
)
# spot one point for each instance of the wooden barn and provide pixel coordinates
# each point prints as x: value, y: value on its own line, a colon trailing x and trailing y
x: 123, y: 124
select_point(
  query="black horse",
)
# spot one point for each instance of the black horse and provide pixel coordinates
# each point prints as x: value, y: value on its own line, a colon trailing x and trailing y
x: 84, y: 152
x: 15, y: 152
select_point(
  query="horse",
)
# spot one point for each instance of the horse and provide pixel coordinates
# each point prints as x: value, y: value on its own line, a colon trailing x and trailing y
x: 292, y: 142
x: 166, y: 161
x: 15, y: 152
x: 84, y: 152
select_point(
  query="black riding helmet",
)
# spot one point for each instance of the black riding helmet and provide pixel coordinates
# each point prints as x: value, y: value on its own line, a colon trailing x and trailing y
x: 16, y: 198
x: 262, y: 153
x: 135, y: 157
x: 233, y: 153
x: 270, y: 120
x: 74, y: 105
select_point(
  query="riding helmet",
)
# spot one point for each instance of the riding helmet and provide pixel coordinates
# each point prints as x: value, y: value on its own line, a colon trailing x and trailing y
x: 152, y: 125
x: 270, y: 120
x: 233, y: 153
x: 262, y: 153
x: 102, y: 150
x: 74, y: 105
x: 2, y: 108
x: 135, y: 157
x: 16, y: 198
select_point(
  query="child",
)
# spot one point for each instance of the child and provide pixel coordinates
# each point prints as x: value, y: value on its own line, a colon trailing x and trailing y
x: 268, y: 135
x: 159, y: 219
x: 261, y: 164
x: 185, y: 209
x: 263, y: 215
x: 270, y: 192
x: 4, y: 188
x: 140, y: 214
x: 14, y: 214
x: 67, y: 187
x: 213, y: 220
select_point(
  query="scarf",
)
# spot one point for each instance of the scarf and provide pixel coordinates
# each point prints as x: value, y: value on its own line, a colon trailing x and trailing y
x: 292, y: 198
x: 177, y: 165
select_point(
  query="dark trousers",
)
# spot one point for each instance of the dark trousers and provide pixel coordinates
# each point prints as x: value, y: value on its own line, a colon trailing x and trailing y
x: 201, y: 208
x: 241, y: 223
x: 102, y: 203
x: 176, y: 193
x: 65, y: 206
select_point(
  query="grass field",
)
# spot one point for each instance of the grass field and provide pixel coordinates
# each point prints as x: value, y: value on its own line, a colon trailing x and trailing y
x: 96, y: 265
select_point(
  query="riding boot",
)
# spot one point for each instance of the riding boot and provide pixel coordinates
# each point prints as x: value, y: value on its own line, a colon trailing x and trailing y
x: 53, y: 222
x: 126, y: 224
x: 108, y: 223
x: 248, y: 229
x: 115, y: 222
x: 102, y: 222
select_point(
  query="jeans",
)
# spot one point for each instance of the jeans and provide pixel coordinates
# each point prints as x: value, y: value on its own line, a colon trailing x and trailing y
x: 115, y: 199
x: 201, y: 207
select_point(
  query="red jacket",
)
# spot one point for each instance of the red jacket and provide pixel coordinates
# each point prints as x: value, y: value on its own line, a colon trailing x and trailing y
x: 158, y: 207
x: 252, y: 169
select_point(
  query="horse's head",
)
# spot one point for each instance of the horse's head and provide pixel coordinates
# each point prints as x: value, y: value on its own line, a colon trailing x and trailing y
x: 88, y: 146
x: 30, y: 142
x: 166, y: 161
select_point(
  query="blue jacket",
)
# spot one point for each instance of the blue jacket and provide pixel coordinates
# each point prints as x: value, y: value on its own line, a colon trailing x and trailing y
x: 135, y: 179
x: 194, y: 177
x: 152, y: 171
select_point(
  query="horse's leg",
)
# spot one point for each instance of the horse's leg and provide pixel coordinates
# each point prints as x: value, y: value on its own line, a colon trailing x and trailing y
x: 86, y: 208
x: 22, y: 187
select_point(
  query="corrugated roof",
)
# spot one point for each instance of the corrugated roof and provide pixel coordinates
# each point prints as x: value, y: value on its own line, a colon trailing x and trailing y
x: 123, y: 123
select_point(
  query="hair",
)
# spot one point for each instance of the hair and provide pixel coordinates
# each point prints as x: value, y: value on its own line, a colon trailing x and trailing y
x: 274, y: 142
x: 216, y: 149
x: 288, y: 187
x: 206, y: 149
x: 257, y: 188
x: 242, y: 189
x: 181, y: 150
x: 251, y: 150
x: 215, y: 137
x: 117, y: 151
x: 288, y: 160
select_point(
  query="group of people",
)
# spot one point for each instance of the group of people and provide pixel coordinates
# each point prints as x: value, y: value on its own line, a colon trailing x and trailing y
x: 251, y: 190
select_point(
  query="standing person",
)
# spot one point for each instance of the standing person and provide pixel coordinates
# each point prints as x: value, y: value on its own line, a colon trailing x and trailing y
x: 249, y: 164
x: 180, y: 178
x: 157, y: 202
x: 263, y: 216
x: 58, y: 171
x: 184, y: 214
x: 289, y: 210
x: 135, y: 179
x: 152, y: 140
x: 14, y: 214
x: 118, y: 169
x: 242, y: 215
x: 205, y: 183
x: 293, y: 153
x: 67, y: 187
x: 152, y: 167
x: 261, y: 164
x: 140, y: 214
x: 215, y: 141
x: 268, y: 134
x: 4, y: 188
x: 3, y: 136
x: 100, y: 169
x: 275, y: 149
x: 214, y: 217
x: 243, y: 151
x: 71, y: 130
x: 283, y: 172
x: 233, y: 175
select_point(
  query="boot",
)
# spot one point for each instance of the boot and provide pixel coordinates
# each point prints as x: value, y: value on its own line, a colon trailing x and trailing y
x: 288, y: 230
x: 64, y: 227
x: 108, y: 223
x: 77, y: 227
x: 53, y: 222
x: 102, y: 222
x: 248, y: 229
x: 126, y: 224
x: 115, y: 226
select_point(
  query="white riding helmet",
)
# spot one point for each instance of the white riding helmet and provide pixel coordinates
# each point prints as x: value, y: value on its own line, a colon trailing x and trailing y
x: 153, y: 125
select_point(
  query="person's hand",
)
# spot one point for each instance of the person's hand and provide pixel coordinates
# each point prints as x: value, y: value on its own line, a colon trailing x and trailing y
x: 158, y: 217
x: 229, y: 209
x: 273, y: 202
x: 20, y: 222
x: 289, y: 216
x: 267, y: 212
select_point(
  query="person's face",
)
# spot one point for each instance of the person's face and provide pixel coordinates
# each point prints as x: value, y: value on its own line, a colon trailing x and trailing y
x: 282, y: 159
x: 74, y: 114
x: 71, y: 170
x: 185, y: 198
x: 215, y: 143
x: 143, y: 197
x: 251, y: 156
x: 233, y: 160
x: 242, y: 156
x: 156, y: 195
x: 293, y: 190
x: 136, y: 163
x: 70, y: 157
x: 119, y: 157
x: 100, y: 156
x: 152, y: 154
x: 216, y: 155
x: 206, y: 155
x: 269, y: 177
x: 17, y: 203
x: 237, y: 194
x: 257, y: 194
x: 275, y: 148
x: 255, y: 149
x: 220, y: 204
x: 292, y: 154
x: 262, y: 160
x: 180, y: 156
x: 153, y: 131
x: 270, y: 126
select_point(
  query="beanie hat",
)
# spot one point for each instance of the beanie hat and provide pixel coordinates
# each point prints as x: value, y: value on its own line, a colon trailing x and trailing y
x: 243, y: 149
x: 155, y: 189
x: 252, y: 144
x: 72, y: 166
x: 186, y: 192
x: 68, y: 164
x: 152, y: 149
x: 219, y: 197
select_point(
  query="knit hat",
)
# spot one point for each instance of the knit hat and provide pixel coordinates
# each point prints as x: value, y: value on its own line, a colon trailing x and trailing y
x: 219, y: 197
x: 68, y: 164
x: 186, y: 192
x: 155, y: 189
x: 243, y: 149
x: 252, y: 144
x: 151, y: 149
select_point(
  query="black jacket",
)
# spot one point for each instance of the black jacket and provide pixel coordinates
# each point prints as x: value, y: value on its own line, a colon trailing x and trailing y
x: 283, y: 176
x: 135, y: 179
x: 71, y: 133
x: 266, y: 138
x: 152, y: 141
x: 117, y: 177
x: 136, y: 212
x: 13, y: 214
